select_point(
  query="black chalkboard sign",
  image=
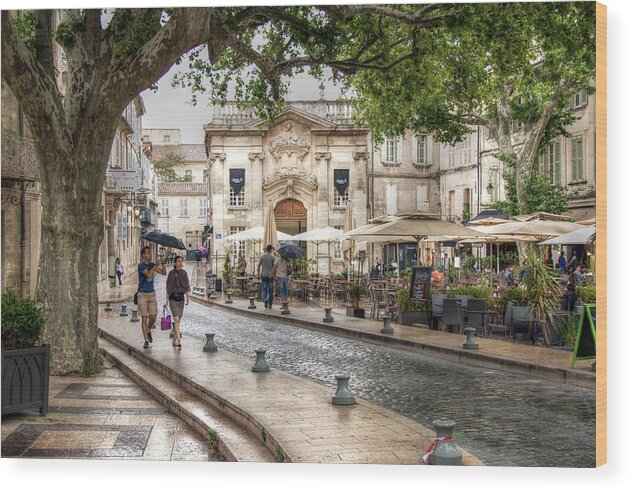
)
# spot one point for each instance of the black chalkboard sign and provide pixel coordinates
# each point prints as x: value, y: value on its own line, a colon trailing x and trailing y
x: 584, y: 348
x: 420, y: 283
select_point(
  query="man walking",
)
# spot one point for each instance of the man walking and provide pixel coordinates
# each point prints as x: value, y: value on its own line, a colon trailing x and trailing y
x: 265, y: 266
x: 147, y: 302
x: 281, y: 270
x: 562, y: 263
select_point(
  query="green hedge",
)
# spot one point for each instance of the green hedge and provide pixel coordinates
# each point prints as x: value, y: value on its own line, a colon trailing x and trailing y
x: 22, y: 322
x: 586, y: 293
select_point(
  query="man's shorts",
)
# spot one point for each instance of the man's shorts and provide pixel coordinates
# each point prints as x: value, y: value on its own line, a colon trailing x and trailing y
x: 282, y: 286
x: 147, y: 304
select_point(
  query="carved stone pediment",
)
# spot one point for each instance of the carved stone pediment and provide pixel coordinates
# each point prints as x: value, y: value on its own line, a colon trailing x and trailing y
x: 290, y: 139
x: 289, y: 174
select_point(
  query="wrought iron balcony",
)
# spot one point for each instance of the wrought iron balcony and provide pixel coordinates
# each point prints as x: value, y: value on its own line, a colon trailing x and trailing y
x: 19, y: 162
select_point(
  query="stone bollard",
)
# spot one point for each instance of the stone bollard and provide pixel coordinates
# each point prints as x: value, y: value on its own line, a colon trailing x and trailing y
x: 471, y: 342
x: 212, y: 295
x: 343, y: 396
x: 443, y: 450
x: 328, y: 315
x: 285, y: 308
x: 123, y: 311
x: 228, y: 298
x: 108, y: 306
x: 387, y: 325
x: 134, y: 315
x: 261, y: 364
x: 210, y: 346
x: 251, y: 305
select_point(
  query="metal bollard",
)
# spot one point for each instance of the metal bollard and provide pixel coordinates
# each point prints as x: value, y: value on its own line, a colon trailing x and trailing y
x: 123, y: 311
x: 261, y: 363
x: 443, y: 450
x: 285, y: 308
x: 251, y: 305
x: 343, y: 396
x: 328, y: 315
x: 134, y: 315
x: 387, y: 325
x: 108, y: 306
x: 471, y: 342
x: 210, y: 346
x: 228, y: 299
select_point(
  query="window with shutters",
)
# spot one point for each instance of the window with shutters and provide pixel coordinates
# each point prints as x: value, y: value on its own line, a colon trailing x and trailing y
x: 392, y: 199
x: 237, y: 199
x: 183, y: 207
x: 341, y: 199
x: 420, y: 150
x: 164, y: 207
x: 391, y: 151
x: 549, y: 161
x: 577, y: 158
x: 579, y: 100
x: 421, y: 197
x: 121, y: 226
x: 203, y: 207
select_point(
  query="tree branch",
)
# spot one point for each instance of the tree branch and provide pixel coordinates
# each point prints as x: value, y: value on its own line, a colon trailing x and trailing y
x: 35, y: 89
x: 43, y: 42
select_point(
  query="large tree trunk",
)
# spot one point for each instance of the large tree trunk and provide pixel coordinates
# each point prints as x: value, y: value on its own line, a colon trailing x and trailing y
x: 72, y: 231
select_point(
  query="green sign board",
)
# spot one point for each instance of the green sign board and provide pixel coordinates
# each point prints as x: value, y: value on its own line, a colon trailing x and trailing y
x: 584, y: 348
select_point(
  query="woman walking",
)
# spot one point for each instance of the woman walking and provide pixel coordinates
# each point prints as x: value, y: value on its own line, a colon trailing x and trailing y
x: 177, y: 289
x: 119, y: 271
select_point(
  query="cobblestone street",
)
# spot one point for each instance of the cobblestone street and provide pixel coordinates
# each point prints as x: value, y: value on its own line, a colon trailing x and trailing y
x: 502, y: 418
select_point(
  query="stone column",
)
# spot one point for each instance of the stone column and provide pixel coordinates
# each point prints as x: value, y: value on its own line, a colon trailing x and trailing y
x: 216, y: 203
x: 256, y: 205
x: 324, y: 203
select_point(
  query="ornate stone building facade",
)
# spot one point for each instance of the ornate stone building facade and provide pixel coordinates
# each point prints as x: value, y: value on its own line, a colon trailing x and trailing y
x: 306, y: 166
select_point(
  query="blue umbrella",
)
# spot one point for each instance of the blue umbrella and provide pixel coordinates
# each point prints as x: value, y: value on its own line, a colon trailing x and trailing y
x: 163, y: 239
x: 290, y: 250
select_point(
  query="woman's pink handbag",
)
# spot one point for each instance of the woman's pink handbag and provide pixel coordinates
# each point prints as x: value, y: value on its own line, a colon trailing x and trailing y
x: 166, y: 320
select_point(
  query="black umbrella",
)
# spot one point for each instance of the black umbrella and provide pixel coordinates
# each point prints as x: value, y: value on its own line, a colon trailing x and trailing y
x: 289, y: 250
x: 163, y: 239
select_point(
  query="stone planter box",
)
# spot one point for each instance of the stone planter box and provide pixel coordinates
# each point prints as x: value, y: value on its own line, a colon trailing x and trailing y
x: 352, y: 312
x: 410, y: 318
x: 25, y: 379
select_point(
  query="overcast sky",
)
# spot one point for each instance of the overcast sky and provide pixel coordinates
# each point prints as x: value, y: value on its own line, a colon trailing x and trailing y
x: 171, y: 108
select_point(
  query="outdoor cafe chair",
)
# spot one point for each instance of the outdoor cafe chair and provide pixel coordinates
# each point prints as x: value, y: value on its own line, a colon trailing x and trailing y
x: 522, y: 324
x: 453, y: 316
x: 377, y: 302
x: 506, y: 327
x: 473, y: 319
x: 437, y: 309
x: 463, y: 299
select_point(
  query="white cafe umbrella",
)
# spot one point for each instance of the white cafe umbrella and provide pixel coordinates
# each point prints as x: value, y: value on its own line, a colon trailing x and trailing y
x: 255, y: 234
x: 577, y: 237
x: 319, y: 236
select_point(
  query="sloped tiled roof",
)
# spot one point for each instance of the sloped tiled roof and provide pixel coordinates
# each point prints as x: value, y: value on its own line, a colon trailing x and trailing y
x: 182, y: 188
x: 190, y: 152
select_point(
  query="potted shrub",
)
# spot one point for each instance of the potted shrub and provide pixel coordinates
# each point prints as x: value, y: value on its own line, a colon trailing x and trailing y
x: 353, y: 293
x: 25, y: 365
x: 542, y: 293
x: 412, y: 312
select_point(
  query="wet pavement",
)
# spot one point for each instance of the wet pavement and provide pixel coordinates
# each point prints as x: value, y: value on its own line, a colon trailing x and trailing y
x: 102, y: 417
x: 502, y: 418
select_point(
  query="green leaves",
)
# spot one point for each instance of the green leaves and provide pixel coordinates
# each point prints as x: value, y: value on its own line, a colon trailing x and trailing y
x: 22, y: 321
x: 66, y: 31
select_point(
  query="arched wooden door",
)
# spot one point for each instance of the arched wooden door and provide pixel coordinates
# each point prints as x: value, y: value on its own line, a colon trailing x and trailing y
x: 290, y: 217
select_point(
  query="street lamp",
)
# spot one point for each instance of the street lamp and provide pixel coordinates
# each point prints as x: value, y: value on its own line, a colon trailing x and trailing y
x: 490, y: 187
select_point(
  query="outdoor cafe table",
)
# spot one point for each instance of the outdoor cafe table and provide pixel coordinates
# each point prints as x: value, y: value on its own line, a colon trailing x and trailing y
x: 243, y: 281
x: 483, y: 314
x: 303, y: 284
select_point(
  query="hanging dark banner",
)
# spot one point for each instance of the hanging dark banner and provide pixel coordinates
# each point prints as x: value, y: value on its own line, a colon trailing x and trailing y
x: 237, y: 179
x: 342, y: 179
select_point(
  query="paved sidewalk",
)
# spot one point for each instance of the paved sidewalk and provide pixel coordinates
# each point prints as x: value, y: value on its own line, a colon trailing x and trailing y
x: 523, y: 359
x: 292, y: 415
x: 102, y: 417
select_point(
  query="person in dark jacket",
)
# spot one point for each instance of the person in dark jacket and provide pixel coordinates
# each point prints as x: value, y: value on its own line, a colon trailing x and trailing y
x: 177, y: 290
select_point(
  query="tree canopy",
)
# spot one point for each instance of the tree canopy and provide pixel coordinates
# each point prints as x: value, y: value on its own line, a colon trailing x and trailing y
x: 511, y: 68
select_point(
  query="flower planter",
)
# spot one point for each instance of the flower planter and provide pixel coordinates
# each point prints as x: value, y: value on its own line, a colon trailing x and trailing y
x: 25, y: 379
x: 352, y: 312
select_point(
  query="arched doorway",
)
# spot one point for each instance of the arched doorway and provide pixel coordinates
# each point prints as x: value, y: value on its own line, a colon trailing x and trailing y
x: 290, y: 217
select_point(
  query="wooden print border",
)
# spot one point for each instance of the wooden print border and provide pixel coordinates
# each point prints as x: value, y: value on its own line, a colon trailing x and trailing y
x: 601, y: 244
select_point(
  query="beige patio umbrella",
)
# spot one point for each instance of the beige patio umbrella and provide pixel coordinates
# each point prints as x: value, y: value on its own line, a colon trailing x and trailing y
x: 271, y: 235
x: 418, y: 228
x: 535, y: 230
